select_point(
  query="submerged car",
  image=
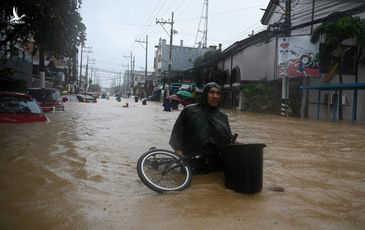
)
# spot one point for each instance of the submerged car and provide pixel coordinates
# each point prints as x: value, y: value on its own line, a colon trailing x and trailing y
x: 70, y: 98
x: 86, y: 98
x: 90, y: 98
x: 20, y: 108
x: 81, y: 98
x: 48, y: 98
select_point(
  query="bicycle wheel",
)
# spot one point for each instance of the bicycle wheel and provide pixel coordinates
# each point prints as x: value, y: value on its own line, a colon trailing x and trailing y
x: 163, y: 171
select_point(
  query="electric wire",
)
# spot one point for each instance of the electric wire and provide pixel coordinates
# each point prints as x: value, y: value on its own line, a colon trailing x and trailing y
x: 149, y: 18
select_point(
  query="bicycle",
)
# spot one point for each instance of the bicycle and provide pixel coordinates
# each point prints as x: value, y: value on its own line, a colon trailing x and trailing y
x: 162, y: 170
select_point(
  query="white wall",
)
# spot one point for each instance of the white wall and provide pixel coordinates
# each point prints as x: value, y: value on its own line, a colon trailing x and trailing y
x: 255, y: 62
x: 258, y: 62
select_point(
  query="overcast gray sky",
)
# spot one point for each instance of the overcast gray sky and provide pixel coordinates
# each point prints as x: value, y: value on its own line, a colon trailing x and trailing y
x: 114, y: 25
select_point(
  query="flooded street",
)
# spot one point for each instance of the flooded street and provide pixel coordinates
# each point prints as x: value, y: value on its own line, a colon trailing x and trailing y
x: 79, y: 172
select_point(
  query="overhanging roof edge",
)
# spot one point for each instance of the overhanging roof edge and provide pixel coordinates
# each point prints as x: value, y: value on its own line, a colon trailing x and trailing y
x: 335, y: 86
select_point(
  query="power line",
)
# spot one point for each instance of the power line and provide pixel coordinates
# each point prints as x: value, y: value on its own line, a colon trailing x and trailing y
x: 235, y: 37
x: 113, y: 22
x: 186, y: 6
x: 218, y: 13
x: 107, y: 71
x: 151, y: 17
x: 168, y: 9
x: 177, y: 8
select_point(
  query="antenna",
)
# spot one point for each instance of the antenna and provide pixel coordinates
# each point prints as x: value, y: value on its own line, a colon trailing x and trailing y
x: 204, y: 15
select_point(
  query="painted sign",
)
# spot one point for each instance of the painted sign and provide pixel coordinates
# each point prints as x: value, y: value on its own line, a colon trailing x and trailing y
x: 297, y: 57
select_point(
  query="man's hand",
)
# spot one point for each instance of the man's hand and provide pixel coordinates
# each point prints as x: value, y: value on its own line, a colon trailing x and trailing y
x: 179, y: 153
x: 234, y: 138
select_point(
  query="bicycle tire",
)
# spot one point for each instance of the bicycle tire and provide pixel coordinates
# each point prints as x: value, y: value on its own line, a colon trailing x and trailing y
x: 150, y: 168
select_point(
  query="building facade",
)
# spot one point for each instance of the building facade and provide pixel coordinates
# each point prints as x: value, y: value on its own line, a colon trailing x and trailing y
x: 142, y: 84
x: 305, y: 16
x: 283, y: 46
x: 182, y: 57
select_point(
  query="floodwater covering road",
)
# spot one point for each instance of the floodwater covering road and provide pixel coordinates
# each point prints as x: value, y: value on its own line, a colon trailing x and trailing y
x: 79, y: 172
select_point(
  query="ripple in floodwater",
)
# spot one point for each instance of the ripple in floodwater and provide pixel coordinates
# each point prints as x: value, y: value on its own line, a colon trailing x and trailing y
x: 79, y: 172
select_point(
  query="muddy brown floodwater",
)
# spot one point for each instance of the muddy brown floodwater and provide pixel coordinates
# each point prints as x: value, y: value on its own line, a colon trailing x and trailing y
x: 79, y: 172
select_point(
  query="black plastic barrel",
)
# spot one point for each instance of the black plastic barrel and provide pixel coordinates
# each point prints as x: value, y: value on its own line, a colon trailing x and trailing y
x: 243, y: 167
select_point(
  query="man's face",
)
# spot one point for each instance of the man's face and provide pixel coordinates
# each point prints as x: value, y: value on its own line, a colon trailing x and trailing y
x: 214, y: 96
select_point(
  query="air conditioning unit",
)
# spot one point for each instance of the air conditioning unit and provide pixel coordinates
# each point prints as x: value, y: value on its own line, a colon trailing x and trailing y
x: 332, y: 99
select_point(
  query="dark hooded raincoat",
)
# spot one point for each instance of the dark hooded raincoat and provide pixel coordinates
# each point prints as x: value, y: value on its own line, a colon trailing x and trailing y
x: 199, y: 125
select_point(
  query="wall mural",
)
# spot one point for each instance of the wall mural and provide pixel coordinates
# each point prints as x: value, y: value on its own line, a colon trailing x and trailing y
x: 297, y: 57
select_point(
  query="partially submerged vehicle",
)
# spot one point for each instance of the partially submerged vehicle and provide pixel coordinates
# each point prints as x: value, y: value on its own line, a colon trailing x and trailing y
x: 48, y: 98
x: 20, y: 108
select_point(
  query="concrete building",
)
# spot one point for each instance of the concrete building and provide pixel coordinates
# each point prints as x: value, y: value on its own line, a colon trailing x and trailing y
x: 142, y: 85
x: 276, y: 54
x: 136, y: 83
x: 182, y: 57
x: 21, y: 63
x: 306, y: 15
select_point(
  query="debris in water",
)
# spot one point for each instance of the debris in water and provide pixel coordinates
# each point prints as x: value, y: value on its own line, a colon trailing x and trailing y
x: 276, y: 189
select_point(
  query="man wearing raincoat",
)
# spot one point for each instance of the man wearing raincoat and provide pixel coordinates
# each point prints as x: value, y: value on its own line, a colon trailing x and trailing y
x: 202, y: 128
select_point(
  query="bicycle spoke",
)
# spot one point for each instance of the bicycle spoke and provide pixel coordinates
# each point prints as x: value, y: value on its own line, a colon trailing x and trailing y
x: 162, y: 171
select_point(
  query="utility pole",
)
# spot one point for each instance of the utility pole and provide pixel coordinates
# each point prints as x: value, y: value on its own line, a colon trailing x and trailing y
x: 82, y: 50
x: 146, y: 42
x: 88, y: 50
x: 86, y: 73
x: 92, y: 63
x: 120, y: 83
x: 126, y: 83
x: 163, y: 22
x: 288, y: 14
x: 132, y: 59
x: 285, y: 81
x: 132, y: 67
x: 95, y: 76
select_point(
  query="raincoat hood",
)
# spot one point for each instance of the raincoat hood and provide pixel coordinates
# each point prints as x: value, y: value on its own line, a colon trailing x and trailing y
x: 204, y: 96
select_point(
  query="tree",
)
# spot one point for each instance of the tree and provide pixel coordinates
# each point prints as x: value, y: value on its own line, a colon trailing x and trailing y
x: 208, y: 56
x: 55, y: 26
x: 203, y: 65
x: 262, y: 96
x: 335, y: 33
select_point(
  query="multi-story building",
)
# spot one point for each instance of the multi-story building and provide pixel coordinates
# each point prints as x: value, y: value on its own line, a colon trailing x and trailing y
x: 182, y: 57
x: 20, y: 61
x: 142, y: 84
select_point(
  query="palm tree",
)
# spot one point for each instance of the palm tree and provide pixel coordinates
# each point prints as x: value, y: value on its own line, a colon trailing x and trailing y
x: 335, y: 33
